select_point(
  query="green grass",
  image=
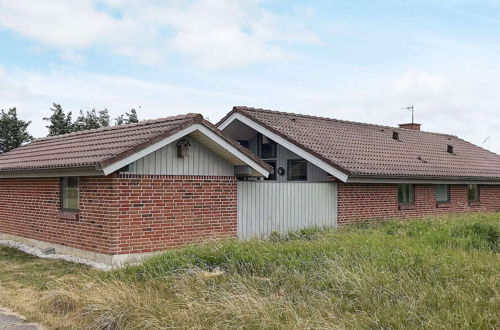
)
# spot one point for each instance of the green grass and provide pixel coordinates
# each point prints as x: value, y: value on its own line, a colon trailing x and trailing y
x: 436, y: 273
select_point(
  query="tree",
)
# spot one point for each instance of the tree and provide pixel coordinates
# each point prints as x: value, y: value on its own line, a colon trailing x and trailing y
x: 60, y: 123
x: 91, y: 119
x: 13, y: 131
x: 130, y: 118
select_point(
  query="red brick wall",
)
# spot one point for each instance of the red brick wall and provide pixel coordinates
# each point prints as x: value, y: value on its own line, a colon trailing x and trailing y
x: 359, y: 202
x: 30, y: 207
x: 157, y: 212
x: 120, y: 214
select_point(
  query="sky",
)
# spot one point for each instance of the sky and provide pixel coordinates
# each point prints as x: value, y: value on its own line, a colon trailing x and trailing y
x: 353, y: 60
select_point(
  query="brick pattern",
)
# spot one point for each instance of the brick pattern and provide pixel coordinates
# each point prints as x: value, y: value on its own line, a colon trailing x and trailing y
x: 30, y: 208
x: 158, y: 212
x: 122, y: 214
x: 361, y: 202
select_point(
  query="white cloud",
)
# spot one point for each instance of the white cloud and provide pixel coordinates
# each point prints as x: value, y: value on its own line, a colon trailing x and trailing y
x: 213, y: 33
x: 443, y: 102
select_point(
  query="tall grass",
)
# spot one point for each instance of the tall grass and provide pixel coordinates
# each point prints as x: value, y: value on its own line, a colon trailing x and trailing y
x: 440, y: 273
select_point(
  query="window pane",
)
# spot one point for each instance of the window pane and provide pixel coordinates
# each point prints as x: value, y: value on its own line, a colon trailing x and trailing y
x: 406, y: 194
x: 70, y: 193
x: 442, y: 193
x: 267, y: 147
x: 297, y: 170
x: 473, y: 193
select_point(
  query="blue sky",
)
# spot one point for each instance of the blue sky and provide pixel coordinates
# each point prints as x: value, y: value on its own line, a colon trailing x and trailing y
x: 354, y: 60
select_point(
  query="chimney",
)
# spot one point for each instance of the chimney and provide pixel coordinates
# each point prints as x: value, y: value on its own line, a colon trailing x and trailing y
x: 413, y: 126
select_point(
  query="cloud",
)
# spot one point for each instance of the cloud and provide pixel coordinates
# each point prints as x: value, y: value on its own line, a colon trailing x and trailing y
x: 444, y: 101
x: 212, y: 33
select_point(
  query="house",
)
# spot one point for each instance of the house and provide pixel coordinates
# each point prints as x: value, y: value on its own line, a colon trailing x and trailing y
x: 379, y: 172
x: 121, y: 193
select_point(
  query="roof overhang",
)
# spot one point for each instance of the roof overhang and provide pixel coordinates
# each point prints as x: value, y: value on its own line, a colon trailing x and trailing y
x: 52, y: 172
x: 338, y: 174
x: 422, y: 180
x: 212, y: 140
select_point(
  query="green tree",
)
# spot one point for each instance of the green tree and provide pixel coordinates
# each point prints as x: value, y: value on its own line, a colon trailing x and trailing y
x: 127, y: 118
x: 91, y: 119
x: 60, y: 123
x: 13, y: 131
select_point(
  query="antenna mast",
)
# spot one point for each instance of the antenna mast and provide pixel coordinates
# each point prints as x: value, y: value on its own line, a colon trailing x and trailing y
x: 412, y: 109
x: 489, y: 142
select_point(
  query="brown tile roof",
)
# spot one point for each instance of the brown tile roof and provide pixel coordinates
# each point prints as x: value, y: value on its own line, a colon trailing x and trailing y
x: 97, y: 148
x: 360, y: 149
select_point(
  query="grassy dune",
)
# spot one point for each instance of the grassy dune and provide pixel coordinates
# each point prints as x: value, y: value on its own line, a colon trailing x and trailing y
x: 438, y: 273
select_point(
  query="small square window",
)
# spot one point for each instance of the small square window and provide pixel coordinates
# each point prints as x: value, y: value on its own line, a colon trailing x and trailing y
x: 267, y: 147
x: 297, y: 170
x: 442, y: 193
x: 70, y: 194
x: 406, y: 194
x: 473, y: 195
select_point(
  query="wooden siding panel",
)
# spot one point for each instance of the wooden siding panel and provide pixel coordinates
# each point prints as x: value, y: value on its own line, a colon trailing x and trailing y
x: 265, y: 207
x: 201, y: 161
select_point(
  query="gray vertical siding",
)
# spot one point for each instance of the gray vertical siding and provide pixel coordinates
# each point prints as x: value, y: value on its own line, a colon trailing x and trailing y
x: 164, y: 161
x: 265, y: 207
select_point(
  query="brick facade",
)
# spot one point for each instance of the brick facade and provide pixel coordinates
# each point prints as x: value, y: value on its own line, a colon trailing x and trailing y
x: 129, y: 214
x: 158, y: 212
x: 360, y: 202
x: 122, y: 214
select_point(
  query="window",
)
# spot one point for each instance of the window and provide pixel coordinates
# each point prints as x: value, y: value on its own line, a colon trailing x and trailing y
x: 70, y: 194
x: 297, y: 170
x: 272, y: 176
x: 473, y: 193
x: 406, y: 194
x: 267, y: 147
x: 442, y: 193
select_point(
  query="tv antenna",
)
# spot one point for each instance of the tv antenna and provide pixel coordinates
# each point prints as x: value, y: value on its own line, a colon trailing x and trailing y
x: 412, y: 109
x: 489, y: 142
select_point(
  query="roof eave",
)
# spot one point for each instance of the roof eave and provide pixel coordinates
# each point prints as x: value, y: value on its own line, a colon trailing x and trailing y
x: 52, y: 172
x: 365, y: 178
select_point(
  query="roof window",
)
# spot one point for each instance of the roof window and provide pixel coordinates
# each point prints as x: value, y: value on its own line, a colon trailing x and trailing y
x: 395, y: 135
x: 450, y: 149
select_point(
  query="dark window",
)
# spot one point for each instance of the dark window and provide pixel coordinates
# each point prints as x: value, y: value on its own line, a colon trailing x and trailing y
x: 473, y: 195
x: 395, y: 135
x: 406, y: 194
x: 267, y: 147
x: 442, y: 193
x: 297, y: 170
x: 450, y: 149
x: 243, y: 143
x: 272, y: 175
x: 70, y: 193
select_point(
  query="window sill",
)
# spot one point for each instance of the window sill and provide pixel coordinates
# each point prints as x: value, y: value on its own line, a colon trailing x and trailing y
x: 69, y: 215
x: 407, y: 206
x: 474, y: 204
x: 443, y: 204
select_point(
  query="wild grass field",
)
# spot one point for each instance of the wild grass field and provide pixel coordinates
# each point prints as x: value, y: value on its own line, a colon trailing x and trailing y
x: 436, y: 273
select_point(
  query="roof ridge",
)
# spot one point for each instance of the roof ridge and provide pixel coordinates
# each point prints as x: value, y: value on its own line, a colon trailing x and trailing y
x: 116, y: 127
x: 243, y: 108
